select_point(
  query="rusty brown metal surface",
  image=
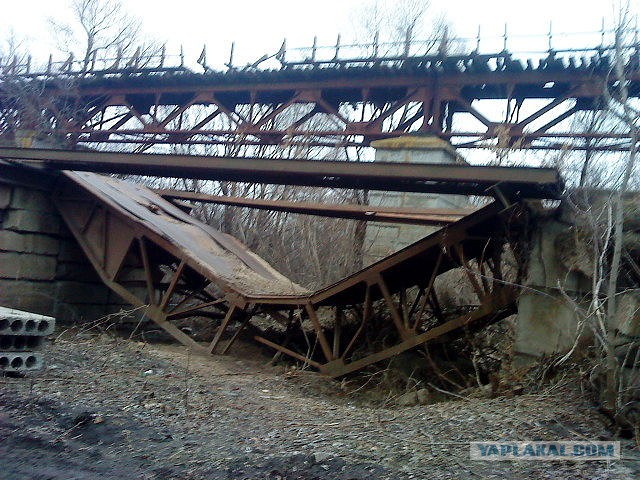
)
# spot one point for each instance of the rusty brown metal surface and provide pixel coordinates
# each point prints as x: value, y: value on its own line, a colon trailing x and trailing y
x: 215, y: 254
x: 262, y: 107
x: 26, y: 177
x: 522, y: 182
x: 433, y: 216
x: 161, y: 260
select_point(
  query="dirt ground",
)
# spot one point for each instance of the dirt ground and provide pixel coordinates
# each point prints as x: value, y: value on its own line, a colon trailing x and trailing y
x: 110, y: 408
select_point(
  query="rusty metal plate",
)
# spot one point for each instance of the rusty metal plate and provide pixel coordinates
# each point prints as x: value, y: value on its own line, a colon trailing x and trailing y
x: 220, y: 256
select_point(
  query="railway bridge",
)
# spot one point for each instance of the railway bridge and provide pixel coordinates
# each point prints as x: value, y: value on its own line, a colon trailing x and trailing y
x: 69, y: 233
x: 473, y: 100
x: 167, y: 264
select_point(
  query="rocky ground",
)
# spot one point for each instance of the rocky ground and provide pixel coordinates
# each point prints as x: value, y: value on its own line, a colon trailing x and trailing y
x: 116, y: 409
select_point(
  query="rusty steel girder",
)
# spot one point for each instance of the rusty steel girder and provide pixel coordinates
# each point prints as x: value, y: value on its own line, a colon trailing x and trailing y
x: 328, y: 106
x: 518, y: 182
x: 432, y: 216
x: 171, y: 266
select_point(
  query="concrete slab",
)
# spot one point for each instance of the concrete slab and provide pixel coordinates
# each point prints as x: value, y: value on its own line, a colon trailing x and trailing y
x: 19, y: 322
x: 20, y: 361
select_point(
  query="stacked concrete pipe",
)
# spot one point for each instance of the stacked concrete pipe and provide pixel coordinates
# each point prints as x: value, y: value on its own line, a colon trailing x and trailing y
x: 22, y: 335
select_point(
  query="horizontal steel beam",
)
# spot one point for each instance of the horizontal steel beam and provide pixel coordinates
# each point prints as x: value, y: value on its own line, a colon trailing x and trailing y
x: 346, y: 83
x: 523, y: 182
x: 479, y: 142
x: 349, y: 211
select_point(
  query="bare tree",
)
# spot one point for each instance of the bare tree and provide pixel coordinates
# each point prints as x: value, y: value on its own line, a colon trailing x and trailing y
x: 606, y: 225
x: 403, y: 22
x: 98, y: 30
x: 12, y: 49
x: 101, y: 29
x: 621, y: 107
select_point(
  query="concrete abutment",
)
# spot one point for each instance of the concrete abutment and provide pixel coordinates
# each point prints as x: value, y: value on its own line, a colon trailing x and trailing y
x: 42, y: 268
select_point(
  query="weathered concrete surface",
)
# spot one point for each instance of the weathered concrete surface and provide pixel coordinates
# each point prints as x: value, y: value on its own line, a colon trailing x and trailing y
x: 562, y: 264
x: 547, y: 322
x: 383, y: 239
x: 21, y: 334
x: 28, y: 295
x: 18, y: 322
x: 28, y: 243
x: 545, y: 325
x: 628, y: 314
x: 20, y: 361
x: 5, y: 196
x: 31, y: 221
x: 27, y: 266
x: 42, y: 269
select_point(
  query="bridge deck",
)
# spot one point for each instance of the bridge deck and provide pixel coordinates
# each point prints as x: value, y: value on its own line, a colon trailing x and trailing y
x: 217, y: 255
x: 335, y: 105
x: 192, y: 269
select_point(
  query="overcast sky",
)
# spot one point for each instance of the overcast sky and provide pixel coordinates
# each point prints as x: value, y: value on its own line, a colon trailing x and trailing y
x: 258, y: 26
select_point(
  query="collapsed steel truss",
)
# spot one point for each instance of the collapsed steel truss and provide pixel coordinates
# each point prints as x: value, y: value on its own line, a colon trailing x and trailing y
x: 328, y: 106
x: 155, y: 257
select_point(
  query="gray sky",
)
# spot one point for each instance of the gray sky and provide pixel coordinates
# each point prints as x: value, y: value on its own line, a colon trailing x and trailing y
x: 258, y: 26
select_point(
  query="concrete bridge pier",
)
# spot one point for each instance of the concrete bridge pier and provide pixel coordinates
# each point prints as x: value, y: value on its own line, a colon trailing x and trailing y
x: 547, y: 321
x: 382, y: 239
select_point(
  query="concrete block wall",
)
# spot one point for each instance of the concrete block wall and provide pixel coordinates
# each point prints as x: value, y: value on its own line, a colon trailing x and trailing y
x: 561, y: 265
x: 29, y: 246
x: 628, y: 314
x: 42, y: 268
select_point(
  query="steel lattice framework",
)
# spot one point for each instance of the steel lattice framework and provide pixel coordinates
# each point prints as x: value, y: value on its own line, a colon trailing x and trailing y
x: 172, y: 266
x: 324, y: 104
x: 189, y: 269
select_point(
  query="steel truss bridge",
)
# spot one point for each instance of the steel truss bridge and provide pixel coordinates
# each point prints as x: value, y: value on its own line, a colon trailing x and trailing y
x: 153, y: 254
x: 327, y: 102
x: 159, y: 258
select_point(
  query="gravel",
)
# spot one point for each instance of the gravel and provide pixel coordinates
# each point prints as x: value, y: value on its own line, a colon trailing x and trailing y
x: 112, y: 408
